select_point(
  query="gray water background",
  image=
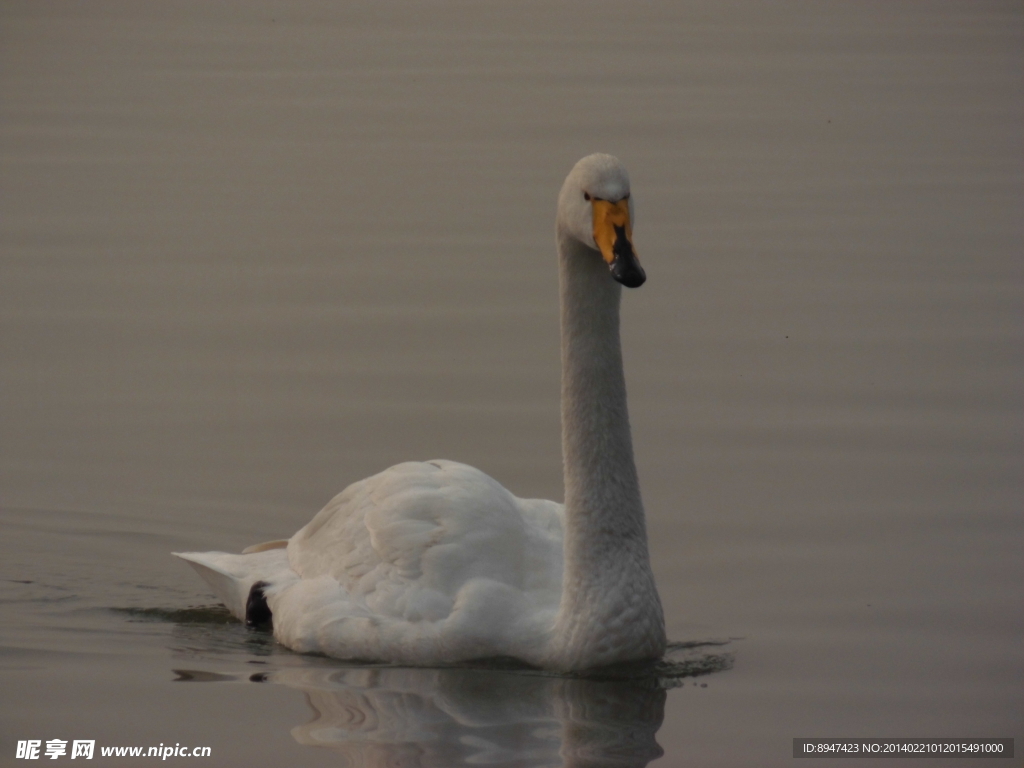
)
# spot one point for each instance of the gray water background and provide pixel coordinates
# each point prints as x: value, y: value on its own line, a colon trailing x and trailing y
x: 252, y: 252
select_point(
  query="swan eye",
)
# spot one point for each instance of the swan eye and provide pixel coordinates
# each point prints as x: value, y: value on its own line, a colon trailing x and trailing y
x: 586, y: 196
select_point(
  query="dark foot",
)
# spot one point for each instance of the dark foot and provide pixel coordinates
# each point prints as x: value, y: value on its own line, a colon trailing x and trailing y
x: 257, y: 612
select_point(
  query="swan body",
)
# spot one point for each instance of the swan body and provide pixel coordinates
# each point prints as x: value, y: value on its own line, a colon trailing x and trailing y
x: 435, y: 562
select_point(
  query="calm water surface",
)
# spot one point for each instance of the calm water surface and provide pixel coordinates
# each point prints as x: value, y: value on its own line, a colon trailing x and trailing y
x: 252, y: 252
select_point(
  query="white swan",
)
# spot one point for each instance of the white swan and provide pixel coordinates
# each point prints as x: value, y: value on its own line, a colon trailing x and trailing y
x: 433, y: 563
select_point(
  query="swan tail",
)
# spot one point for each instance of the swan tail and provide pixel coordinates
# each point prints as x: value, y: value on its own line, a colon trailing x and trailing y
x: 242, y: 582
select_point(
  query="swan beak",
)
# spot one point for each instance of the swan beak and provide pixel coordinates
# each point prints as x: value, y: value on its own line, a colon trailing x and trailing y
x: 613, y: 234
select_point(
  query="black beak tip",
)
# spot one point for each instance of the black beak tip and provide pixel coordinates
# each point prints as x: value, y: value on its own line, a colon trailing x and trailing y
x: 628, y: 272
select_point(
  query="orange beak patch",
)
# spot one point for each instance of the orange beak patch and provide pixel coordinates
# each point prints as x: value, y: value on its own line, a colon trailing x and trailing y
x: 609, y: 220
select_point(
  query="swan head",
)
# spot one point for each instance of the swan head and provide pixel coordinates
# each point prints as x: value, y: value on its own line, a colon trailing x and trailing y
x: 596, y: 209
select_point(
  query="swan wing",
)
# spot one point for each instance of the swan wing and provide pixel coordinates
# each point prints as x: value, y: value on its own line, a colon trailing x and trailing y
x: 425, y: 562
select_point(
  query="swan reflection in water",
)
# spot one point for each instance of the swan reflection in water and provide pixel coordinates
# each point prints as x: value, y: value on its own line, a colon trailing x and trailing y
x: 451, y: 717
x: 426, y: 718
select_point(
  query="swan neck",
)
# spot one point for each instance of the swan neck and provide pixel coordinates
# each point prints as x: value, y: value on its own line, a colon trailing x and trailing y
x: 607, y: 579
x: 597, y: 448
